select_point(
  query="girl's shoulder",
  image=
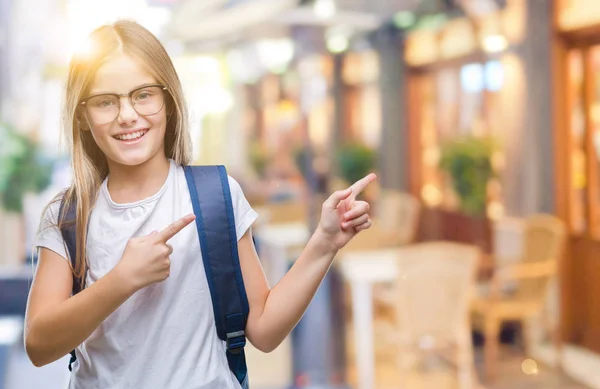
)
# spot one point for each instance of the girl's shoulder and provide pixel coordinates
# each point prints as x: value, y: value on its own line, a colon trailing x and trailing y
x: 52, y: 209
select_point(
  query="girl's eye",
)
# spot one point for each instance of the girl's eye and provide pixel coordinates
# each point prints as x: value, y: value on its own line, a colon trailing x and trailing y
x: 106, y: 103
x: 143, y: 96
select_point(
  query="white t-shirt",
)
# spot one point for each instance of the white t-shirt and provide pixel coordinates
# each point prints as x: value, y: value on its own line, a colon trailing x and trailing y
x: 164, y: 336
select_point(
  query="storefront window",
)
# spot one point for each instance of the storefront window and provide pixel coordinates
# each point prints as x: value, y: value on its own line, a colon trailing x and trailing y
x: 455, y: 101
x: 360, y: 76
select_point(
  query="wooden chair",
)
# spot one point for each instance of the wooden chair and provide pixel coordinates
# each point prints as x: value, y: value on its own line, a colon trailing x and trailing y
x: 431, y: 299
x: 531, y: 276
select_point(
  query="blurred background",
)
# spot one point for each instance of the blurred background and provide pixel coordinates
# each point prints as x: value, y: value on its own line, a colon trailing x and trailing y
x: 481, y: 118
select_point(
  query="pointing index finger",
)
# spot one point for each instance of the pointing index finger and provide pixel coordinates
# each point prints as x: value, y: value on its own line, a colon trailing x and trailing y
x: 175, y: 227
x: 361, y: 184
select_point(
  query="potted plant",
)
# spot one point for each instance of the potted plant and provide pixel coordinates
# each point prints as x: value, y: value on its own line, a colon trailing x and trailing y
x: 468, y: 162
x: 355, y: 160
x: 301, y: 159
x: 259, y: 159
x: 22, y: 170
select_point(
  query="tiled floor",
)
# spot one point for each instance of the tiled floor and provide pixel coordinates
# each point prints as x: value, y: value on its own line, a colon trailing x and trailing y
x: 511, y: 376
x: 439, y: 375
x: 434, y: 373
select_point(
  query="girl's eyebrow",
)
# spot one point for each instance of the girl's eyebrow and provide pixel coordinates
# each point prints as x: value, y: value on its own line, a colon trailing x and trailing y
x: 96, y: 93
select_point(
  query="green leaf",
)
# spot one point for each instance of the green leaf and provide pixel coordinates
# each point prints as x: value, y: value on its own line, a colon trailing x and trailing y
x: 23, y: 168
x: 467, y: 161
x: 355, y: 161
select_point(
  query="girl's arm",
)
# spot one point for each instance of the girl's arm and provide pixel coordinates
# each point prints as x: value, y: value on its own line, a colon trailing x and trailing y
x: 56, y: 323
x: 275, y: 312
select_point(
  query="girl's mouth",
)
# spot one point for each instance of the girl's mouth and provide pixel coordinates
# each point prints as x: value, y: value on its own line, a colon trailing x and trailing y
x: 131, y: 137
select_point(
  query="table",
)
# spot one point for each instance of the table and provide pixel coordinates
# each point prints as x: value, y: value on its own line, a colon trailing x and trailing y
x: 277, y: 243
x: 363, y: 269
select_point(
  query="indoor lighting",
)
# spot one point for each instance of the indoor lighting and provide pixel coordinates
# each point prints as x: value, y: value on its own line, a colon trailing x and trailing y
x: 337, y: 38
x: 337, y: 44
x: 529, y: 366
x: 324, y: 9
x: 495, y: 43
x: 276, y: 54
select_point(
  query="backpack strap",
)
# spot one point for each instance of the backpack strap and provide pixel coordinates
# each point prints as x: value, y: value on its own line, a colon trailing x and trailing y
x: 211, y: 200
x: 66, y: 220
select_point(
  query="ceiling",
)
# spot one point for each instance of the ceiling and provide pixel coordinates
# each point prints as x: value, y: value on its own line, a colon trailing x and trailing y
x: 382, y: 8
x: 217, y: 21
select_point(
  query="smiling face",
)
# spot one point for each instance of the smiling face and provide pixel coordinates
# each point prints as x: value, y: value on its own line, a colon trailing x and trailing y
x: 137, y: 134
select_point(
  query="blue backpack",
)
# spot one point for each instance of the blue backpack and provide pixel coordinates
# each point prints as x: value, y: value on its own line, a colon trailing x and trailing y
x: 211, y: 200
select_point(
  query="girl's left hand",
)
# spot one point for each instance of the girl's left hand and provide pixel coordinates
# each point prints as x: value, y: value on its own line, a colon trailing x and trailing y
x: 342, y: 217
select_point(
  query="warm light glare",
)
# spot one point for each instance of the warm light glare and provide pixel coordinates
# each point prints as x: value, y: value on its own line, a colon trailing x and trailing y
x: 529, y: 366
x: 495, y: 210
x: 83, y: 16
x: 85, y: 49
x: 495, y: 43
x: 498, y: 161
x: 324, y: 9
x: 431, y: 156
x: 431, y: 195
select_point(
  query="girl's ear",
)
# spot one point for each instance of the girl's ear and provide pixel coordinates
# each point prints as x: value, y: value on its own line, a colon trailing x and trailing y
x: 81, y: 120
x: 82, y: 125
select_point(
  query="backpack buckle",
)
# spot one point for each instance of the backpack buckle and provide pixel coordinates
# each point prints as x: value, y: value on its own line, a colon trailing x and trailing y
x: 236, y: 341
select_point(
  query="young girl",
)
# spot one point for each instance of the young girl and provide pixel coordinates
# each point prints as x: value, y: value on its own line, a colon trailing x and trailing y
x: 144, y: 318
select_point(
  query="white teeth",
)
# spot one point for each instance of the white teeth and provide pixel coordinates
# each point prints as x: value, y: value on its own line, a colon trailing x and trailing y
x: 133, y: 135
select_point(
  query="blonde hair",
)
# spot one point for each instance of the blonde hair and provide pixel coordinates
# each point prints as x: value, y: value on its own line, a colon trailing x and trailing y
x: 88, y: 163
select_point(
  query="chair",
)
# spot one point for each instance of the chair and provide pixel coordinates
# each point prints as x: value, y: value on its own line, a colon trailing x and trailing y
x: 431, y: 299
x: 543, y: 242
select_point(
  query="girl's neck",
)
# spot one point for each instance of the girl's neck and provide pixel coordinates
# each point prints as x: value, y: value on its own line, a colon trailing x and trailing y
x: 128, y: 184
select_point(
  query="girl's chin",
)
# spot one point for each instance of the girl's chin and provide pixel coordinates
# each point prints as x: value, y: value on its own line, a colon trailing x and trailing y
x: 136, y: 158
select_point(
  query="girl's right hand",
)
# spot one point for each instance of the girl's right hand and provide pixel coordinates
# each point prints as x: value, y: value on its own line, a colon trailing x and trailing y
x: 146, y: 259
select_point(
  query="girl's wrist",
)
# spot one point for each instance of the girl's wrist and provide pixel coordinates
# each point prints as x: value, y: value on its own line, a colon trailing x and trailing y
x: 122, y: 277
x: 323, y: 243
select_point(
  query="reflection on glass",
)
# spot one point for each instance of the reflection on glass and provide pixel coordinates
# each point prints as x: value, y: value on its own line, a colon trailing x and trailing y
x: 578, y: 155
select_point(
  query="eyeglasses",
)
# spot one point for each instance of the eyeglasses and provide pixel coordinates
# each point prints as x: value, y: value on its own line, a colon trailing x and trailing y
x: 104, y: 108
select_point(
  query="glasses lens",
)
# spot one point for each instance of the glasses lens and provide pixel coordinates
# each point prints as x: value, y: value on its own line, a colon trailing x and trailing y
x: 148, y: 101
x: 103, y: 108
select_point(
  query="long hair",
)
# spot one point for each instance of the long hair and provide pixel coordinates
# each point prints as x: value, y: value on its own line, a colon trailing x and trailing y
x: 88, y: 163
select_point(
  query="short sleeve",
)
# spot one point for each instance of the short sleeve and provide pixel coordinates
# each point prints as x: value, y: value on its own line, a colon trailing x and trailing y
x: 242, y: 211
x: 48, y: 234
